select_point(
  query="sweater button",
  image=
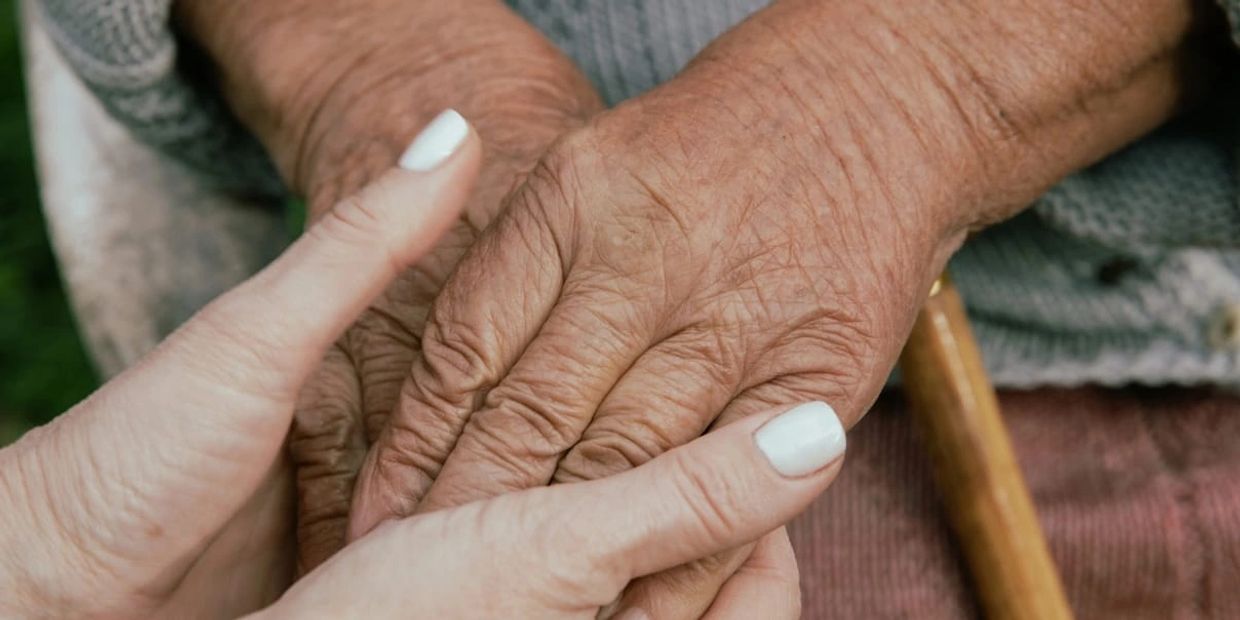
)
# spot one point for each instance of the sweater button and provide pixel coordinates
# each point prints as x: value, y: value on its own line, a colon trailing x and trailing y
x: 1112, y: 272
x: 1224, y: 332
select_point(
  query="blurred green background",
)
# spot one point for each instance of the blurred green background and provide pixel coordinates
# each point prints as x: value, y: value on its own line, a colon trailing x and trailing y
x: 43, y: 367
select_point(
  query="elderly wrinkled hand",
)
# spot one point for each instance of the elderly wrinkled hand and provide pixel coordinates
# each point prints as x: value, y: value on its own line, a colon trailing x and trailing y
x: 756, y: 232
x: 323, y: 106
x: 641, y: 289
x: 334, y: 91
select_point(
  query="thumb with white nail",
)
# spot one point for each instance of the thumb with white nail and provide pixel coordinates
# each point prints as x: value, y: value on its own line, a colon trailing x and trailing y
x: 567, y: 550
x: 167, y: 491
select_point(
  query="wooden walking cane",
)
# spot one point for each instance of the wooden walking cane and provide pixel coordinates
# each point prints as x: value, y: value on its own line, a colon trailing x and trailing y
x: 989, y: 506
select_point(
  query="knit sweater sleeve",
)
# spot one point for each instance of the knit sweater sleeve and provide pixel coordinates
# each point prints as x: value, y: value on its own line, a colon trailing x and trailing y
x: 1178, y: 187
x: 125, y: 52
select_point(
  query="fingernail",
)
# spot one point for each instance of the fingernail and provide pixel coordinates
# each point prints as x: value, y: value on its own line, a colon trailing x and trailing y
x: 803, y: 439
x: 436, y: 143
x: 632, y: 613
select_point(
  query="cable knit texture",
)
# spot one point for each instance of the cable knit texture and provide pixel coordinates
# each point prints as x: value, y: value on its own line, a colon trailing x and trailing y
x: 1126, y: 272
x: 125, y: 52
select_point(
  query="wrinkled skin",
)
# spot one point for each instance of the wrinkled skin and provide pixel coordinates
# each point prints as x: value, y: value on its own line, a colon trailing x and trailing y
x: 345, y: 407
x: 353, y: 130
x: 139, y: 501
x: 748, y: 236
x: 376, y: 80
x: 567, y: 550
x: 633, y: 296
x: 757, y: 232
x: 621, y: 302
x: 346, y: 404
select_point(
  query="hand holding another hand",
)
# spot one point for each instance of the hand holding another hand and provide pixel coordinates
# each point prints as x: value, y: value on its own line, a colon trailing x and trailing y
x: 756, y: 232
x: 142, y: 499
x: 643, y: 288
x: 379, y: 68
x: 569, y: 550
x: 335, y: 91
x: 166, y: 492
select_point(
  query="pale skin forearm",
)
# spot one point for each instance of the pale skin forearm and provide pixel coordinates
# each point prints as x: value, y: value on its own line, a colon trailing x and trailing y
x: 334, y: 90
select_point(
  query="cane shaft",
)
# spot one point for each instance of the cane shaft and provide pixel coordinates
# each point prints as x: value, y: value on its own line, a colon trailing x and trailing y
x: 957, y: 411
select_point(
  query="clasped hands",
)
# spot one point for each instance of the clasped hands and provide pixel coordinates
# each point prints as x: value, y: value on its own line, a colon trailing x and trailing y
x: 165, y: 493
x: 756, y: 233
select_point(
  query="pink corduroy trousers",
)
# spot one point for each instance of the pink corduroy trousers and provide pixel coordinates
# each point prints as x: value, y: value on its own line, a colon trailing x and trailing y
x: 1138, y: 491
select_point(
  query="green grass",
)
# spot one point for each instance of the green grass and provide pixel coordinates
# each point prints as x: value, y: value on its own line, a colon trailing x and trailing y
x: 43, y: 367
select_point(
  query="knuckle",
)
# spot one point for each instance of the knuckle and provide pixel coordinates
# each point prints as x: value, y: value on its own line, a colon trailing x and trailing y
x: 352, y: 220
x: 389, y: 323
x: 325, y: 419
x: 598, y: 458
x: 457, y: 359
x: 545, y: 426
x: 412, y: 450
x: 705, y: 493
x: 700, y: 577
x: 326, y: 449
x: 547, y: 210
x: 323, y: 430
x: 355, y: 224
x: 564, y: 167
x: 431, y: 412
x: 508, y: 466
x: 832, y: 357
x: 323, y: 499
x: 397, y: 482
x: 382, y: 367
x: 423, y: 418
x: 595, y: 321
x: 533, y: 231
x: 610, y: 451
x: 382, y: 386
x: 837, y: 337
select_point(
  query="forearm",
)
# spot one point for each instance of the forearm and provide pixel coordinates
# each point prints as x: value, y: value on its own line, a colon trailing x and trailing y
x: 968, y: 110
x: 335, y: 90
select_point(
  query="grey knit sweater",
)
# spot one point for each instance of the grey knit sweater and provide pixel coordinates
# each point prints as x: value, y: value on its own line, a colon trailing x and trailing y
x: 1126, y: 272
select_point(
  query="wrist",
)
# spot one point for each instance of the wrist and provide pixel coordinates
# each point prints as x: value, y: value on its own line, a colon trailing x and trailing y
x: 361, y: 126
x: 959, y: 115
x: 335, y: 90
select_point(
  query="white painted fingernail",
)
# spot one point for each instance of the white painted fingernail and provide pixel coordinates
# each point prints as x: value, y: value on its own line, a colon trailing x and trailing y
x: 803, y: 439
x: 632, y: 613
x: 437, y: 142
